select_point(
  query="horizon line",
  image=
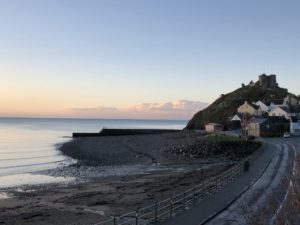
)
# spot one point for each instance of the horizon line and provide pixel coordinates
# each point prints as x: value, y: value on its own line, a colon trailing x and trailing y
x: 78, y: 118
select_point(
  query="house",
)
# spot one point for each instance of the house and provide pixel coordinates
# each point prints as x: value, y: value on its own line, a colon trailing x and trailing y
x: 236, y: 122
x: 267, y: 127
x: 257, y: 127
x: 264, y: 108
x: 239, y: 120
x: 213, y: 127
x: 295, y: 125
x: 280, y: 111
x: 251, y: 109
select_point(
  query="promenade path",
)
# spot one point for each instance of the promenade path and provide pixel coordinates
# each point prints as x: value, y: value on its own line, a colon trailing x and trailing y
x: 252, y: 188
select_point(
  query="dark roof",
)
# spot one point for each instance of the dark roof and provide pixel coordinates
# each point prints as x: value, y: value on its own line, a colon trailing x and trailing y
x: 258, y: 120
x: 275, y: 102
x: 284, y: 109
x: 294, y: 119
x: 278, y: 119
x: 295, y: 109
x: 254, y: 106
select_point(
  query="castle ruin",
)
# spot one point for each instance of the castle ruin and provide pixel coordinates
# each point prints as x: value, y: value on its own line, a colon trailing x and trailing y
x: 266, y: 81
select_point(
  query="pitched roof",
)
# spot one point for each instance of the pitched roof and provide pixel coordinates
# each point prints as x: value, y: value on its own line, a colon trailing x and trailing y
x: 236, y: 117
x: 284, y: 109
x: 258, y: 120
x: 254, y: 106
x: 261, y: 102
x: 275, y: 102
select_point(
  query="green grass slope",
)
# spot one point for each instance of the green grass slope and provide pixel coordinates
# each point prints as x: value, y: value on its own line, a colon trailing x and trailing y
x: 226, y: 106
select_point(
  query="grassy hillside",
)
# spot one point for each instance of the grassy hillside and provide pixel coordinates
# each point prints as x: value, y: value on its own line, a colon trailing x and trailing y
x: 226, y: 106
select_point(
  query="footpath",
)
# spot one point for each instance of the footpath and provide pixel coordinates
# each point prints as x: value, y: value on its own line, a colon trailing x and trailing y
x: 206, y: 209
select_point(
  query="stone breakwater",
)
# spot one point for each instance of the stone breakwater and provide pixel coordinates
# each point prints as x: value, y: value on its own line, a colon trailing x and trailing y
x: 206, y: 148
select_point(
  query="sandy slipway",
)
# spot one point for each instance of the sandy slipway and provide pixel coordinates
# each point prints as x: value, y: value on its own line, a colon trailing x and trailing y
x: 117, y: 175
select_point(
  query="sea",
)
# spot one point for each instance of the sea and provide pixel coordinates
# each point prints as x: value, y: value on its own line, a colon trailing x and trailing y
x: 30, y: 145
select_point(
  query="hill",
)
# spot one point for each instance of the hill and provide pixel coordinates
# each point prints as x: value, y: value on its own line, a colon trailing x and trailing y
x: 226, y: 106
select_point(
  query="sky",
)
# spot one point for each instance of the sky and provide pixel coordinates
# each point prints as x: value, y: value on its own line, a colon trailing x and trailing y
x: 158, y: 59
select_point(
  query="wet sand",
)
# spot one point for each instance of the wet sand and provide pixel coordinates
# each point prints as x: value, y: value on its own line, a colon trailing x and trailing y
x: 100, y: 194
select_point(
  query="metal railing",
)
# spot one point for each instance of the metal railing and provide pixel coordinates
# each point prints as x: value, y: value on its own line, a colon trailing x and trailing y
x: 177, y: 203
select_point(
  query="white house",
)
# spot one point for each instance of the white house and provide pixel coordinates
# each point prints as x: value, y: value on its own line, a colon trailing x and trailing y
x: 280, y: 111
x: 262, y: 106
x: 295, y: 125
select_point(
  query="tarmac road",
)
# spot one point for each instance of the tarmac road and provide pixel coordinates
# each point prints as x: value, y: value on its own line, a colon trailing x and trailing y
x: 252, y: 194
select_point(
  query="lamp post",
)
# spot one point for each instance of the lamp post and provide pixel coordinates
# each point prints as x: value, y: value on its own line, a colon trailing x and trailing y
x: 245, y: 124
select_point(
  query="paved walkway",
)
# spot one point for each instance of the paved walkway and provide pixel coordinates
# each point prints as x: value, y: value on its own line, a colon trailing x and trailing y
x: 202, y: 212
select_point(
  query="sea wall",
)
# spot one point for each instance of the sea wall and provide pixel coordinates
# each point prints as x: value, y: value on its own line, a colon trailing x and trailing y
x: 124, y: 132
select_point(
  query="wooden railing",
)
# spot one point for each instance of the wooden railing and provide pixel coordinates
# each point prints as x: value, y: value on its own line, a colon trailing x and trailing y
x: 175, y: 204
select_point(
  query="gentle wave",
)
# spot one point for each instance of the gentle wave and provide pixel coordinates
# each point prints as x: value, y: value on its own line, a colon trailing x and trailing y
x: 36, y: 151
x: 35, y: 157
x: 34, y: 164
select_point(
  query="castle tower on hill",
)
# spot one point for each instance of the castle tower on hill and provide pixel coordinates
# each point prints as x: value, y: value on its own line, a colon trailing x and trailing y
x: 266, y: 81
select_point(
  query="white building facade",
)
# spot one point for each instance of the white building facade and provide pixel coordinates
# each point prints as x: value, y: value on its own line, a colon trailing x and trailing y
x: 280, y: 111
x: 295, y: 125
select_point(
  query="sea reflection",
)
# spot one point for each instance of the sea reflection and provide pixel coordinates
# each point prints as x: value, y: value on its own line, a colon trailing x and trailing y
x: 30, y: 179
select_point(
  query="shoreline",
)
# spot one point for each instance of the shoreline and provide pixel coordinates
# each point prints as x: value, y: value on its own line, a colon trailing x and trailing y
x: 112, y: 185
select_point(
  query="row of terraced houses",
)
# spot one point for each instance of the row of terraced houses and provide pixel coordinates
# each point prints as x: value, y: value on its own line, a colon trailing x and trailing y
x: 269, y: 118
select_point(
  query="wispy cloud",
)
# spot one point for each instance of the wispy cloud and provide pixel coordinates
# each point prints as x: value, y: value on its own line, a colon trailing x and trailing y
x: 179, y: 109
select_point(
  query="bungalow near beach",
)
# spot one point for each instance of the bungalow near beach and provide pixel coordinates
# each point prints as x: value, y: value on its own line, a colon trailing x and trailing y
x: 213, y: 127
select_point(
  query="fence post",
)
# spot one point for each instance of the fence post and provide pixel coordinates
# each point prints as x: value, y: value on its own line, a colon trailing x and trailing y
x: 171, y: 206
x: 155, y: 212
x: 115, y: 221
x: 137, y: 216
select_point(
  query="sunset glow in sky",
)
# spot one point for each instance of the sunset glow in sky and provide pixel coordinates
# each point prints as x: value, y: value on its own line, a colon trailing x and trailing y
x: 140, y: 59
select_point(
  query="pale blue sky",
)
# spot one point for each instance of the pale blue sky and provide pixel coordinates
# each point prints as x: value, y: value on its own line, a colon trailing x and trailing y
x: 92, y: 54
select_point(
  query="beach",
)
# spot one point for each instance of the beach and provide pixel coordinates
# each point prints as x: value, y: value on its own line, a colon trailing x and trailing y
x: 137, y: 170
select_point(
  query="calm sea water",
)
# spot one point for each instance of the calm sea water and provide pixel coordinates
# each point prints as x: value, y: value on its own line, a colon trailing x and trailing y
x: 30, y: 145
